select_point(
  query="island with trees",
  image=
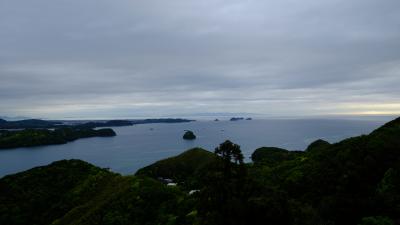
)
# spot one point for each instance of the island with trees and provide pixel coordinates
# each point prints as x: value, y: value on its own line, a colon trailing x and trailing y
x: 38, y: 137
x: 119, y: 123
x: 354, y: 181
x: 37, y: 123
x: 189, y: 135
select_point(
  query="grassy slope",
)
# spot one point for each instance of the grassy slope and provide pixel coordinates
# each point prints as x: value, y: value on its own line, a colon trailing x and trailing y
x: 42, y: 194
x: 180, y: 168
x: 75, y: 192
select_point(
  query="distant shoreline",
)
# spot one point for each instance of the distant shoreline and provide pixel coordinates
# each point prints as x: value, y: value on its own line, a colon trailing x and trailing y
x: 48, y: 124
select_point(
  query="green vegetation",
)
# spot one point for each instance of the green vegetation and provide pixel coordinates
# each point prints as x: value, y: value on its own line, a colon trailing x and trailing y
x: 189, y: 135
x: 340, y: 183
x: 36, y: 137
x: 75, y: 192
x: 378, y: 220
x: 318, y: 144
x: 223, y: 197
x: 185, y: 169
x: 273, y: 156
x: 355, y: 181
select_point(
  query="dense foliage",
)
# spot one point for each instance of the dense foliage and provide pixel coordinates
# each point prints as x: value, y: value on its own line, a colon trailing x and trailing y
x: 355, y: 181
x: 272, y: 155
x: 36, y: 137
x: 340, y: 183
x: 185, y: 169
x: 75, y: 192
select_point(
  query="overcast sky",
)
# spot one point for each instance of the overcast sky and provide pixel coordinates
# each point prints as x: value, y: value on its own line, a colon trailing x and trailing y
x: 129, y: 58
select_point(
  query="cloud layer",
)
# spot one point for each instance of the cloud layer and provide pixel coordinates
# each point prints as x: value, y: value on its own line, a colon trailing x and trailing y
x: 125, y: 58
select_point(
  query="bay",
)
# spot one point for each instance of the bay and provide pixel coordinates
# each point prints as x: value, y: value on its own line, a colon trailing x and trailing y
x: 137, y: 146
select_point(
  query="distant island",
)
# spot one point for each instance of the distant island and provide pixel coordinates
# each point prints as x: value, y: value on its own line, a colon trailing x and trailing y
x: 37, y: 137
x: 110, y: 123
x: 236, y: 118
x: 37, y: 123
x: 167, y: 120
x: 119, y: 123
x: 189, y: 135
x: 240, y: 118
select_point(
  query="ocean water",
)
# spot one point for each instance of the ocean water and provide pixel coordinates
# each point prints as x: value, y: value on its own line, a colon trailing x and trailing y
x: 137, y: 146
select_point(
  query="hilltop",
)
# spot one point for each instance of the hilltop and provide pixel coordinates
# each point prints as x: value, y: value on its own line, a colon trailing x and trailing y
x: 76, y: 192
x: 184, y: 168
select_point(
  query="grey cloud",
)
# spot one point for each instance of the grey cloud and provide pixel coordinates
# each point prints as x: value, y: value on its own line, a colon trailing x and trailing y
x: 127, y: 57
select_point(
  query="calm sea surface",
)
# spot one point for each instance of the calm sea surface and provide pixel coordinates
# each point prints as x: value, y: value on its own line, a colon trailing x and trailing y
x: 140, y: 145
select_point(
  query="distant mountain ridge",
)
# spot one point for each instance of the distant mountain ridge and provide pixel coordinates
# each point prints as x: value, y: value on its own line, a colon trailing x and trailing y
x: 28, y: 123
x: 14, y: 118
x: 37, y: 123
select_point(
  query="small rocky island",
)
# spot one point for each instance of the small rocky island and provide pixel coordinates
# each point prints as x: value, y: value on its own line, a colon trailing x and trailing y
x: 236, y: 118
x: 189, y: 135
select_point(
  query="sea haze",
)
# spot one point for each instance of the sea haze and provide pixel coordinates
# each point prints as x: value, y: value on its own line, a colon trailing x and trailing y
x: 140, y: 145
